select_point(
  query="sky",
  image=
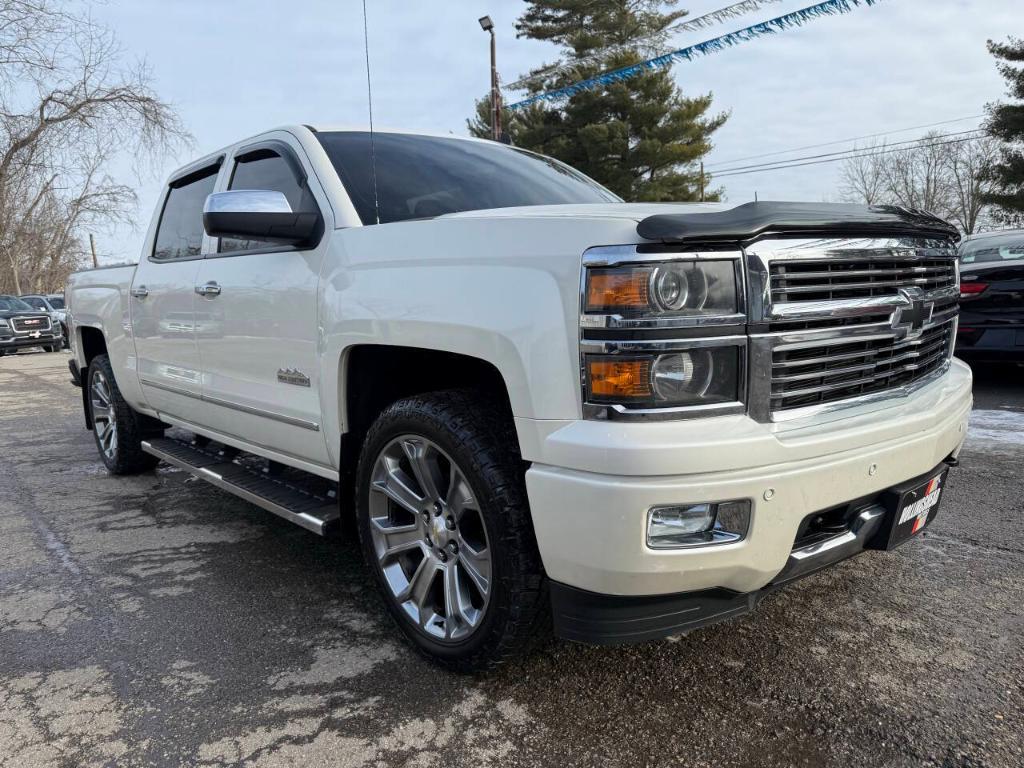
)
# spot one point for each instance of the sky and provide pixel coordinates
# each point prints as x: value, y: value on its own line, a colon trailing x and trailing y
x: 234, y: 68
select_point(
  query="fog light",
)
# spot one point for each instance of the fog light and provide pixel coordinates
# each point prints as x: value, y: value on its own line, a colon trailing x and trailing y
x: 697, y: 525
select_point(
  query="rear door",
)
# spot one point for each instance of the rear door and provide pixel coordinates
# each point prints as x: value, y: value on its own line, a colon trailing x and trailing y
x: 163, y: 319
x: 257, y: 326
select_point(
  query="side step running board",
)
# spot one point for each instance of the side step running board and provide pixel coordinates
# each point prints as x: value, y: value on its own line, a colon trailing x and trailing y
x: 312, y: 512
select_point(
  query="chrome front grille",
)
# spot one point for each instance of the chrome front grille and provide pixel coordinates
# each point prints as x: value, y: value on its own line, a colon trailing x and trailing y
x: 844, y: 322
x: 857, y: 277
x: 31, y: 324
x: 837, y: 369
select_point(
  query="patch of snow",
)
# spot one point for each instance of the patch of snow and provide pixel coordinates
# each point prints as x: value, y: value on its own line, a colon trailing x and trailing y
x: 996, y: 426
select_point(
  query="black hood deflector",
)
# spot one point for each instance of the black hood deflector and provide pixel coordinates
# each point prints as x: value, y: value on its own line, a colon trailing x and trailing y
x: 751, y: 220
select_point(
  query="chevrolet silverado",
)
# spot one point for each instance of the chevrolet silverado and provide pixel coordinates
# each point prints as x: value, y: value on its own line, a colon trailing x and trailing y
x: 537, y: 404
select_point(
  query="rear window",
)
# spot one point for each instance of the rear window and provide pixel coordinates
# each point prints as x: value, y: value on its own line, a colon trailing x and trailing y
x: 57, y: 302
x: 424, y: 176
x: 34, y: 301
x: 13, y: 304
x: 1009, y: 247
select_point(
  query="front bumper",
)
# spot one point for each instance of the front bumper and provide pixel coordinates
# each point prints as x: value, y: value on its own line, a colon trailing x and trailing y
x: 590, y: 523
x: 44, y: 339
x: 589, y: 617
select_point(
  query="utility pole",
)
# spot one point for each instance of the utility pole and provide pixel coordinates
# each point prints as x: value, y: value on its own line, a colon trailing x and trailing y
x: 92, y: 247
x: 488, y: 26
x: 702, y: 181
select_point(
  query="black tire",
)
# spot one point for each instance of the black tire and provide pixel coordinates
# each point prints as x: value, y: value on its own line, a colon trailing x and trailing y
x: 125, y: 455
x: 479, y: 437
x: 52, y: 348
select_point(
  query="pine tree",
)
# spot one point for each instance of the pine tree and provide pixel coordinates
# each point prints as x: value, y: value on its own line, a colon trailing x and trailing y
x: 640, y: 137
x: 1006, y: 123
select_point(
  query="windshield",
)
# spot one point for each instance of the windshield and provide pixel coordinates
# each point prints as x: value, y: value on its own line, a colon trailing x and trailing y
x: 422, y: 176
x: 57, y: 302
x: 13, y: 304
x: 995, y: 248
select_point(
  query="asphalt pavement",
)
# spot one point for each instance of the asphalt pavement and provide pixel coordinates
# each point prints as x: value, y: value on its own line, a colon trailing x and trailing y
x: 156, y: 621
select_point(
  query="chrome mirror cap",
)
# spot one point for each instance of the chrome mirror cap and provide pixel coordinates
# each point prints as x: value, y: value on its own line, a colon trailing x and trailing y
x: 247, y: 201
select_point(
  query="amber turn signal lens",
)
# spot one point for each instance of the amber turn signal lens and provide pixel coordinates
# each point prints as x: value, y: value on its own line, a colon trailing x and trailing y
x: 618, y: 289
x: 618, y: 379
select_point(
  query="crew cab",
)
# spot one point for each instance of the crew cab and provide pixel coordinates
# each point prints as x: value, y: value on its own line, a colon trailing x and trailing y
x: 536, y: 402
x: 22, y: 325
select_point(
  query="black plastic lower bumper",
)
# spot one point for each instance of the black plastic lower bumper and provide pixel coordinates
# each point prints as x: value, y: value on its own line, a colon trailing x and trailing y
x: 601, y: 619
x: 588, y: 617
x: 19, y: 342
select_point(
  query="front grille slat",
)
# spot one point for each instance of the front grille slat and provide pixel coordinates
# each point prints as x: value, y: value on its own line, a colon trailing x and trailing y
x: 847, y: 278
x: 30, y: 324
x: 819, y: 375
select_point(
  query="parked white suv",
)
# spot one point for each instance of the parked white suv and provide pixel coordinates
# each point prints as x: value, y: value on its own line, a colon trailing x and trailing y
x: 533, y: 399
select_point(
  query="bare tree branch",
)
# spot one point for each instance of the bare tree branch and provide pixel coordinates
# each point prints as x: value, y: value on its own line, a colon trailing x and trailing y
x: 68, y: 109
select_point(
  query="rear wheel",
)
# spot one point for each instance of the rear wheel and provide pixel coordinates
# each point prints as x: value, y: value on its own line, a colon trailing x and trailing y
x: 445, y: 528
x: 117, y: 427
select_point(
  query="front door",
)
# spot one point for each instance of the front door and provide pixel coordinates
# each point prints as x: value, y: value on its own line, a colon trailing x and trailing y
x: 256, y: 319
x: 163, y: 296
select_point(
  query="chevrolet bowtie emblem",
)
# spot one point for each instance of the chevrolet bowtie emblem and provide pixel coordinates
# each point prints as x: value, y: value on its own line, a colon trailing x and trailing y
x: 913, y: 313
x: 292, y: 376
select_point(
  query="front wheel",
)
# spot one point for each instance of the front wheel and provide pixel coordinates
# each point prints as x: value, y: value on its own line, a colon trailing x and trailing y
x: 445, y: 528
x: 117, y: 427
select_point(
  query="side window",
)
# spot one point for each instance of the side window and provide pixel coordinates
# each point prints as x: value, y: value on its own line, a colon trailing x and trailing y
x: 266, y: 169
x: 34, y: 302
x: 180, y: 234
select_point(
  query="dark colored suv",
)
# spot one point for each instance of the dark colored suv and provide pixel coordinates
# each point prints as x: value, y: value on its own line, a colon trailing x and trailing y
x: 23, y: 326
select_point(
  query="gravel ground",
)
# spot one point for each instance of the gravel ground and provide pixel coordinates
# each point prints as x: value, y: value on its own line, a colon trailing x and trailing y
x: 154, y: 620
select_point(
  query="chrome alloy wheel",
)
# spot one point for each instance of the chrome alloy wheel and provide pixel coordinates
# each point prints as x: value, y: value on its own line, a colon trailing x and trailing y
x: 104, y: 417
x: 430, y: 539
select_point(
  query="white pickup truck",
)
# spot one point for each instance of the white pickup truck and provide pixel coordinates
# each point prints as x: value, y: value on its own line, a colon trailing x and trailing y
x: 538, y: 404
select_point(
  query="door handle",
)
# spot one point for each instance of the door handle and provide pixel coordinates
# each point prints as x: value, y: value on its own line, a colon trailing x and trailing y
x: 210, y: 289
x: 140, y: 292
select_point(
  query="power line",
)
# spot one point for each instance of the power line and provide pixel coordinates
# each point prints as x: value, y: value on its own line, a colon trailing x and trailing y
x: 894, y: 144
x: 843, y: 141
x: 838, y: 159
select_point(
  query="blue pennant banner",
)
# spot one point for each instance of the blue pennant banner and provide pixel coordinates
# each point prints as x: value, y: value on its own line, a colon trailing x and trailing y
x: 645, y: 45
x: 715, y: 44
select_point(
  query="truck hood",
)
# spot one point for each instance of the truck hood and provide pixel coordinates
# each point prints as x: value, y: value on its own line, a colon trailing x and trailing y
x: 634, y: 211
x: 7, y: 314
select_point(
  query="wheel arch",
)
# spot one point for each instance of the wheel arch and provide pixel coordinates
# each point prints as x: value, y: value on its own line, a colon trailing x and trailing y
x: 90, y: 343
x: 373, y: 376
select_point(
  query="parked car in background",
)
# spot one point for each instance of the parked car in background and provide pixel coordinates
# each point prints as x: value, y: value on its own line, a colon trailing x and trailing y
x: 992, y: 297
x: 536, y: 400
x: 22, y: 325
x: 52, y: 303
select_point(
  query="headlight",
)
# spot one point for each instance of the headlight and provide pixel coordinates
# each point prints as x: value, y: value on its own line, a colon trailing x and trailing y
x: 4, y: 323
x: 698, y: 376
x: 693, y: 287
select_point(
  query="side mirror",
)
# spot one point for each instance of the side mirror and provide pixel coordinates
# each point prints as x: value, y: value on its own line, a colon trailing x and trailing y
x: 258, y: 214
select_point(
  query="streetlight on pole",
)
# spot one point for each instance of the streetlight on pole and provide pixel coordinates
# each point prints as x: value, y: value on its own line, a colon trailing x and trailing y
x: 488, y: 26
